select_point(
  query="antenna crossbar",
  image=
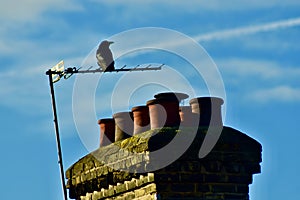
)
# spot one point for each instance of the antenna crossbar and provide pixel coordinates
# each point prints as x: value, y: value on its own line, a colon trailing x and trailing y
x: 73, y: 70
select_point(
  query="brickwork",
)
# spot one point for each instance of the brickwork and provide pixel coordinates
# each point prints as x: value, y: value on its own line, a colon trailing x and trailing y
x: 137, y: 188
x: 225, y: 173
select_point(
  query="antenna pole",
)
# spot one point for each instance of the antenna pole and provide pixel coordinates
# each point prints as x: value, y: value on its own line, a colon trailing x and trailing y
x: 59, y: 72
x: 60, y: 160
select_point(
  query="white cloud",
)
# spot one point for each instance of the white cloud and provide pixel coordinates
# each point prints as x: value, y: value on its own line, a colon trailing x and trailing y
x: 263, y: 69
x: 25, y: 10
x: 278, y: 94
x: 261, y: 81
x: 194, y: 5
x: 20, y: 89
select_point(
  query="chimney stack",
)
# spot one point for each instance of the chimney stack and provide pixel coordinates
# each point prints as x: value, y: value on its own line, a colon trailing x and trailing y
x: 126, y: 170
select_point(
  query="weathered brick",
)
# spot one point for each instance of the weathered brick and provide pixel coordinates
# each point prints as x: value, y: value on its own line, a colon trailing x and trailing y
x: 139, y: 192
x: 230, y: 188
x: 217, y: 178
x: 73, y: 181
x: 243, y: 189
x: 110, y: 190
x: 128, y: 162
x: 147, y: 197
x: 191, y: 177
x: 191, y: 166
x: 150, y: 177
x: 236, y: 197
x: 88, y: 196
x: 120, y: 188
x: 232, y: 167
x: 252, y: 168
x: 174, y: 167
x: 89, y: 165
x: 240, y: 179
x: 151, y: 188
x: 78, y: 179
x: 93, y: 173
x: 212, y: 166
x: 88, y: 175
x: 183, y: 187
x: 180, y: 195
x: 122, y: 164
x: 129, y: 196
x: 112, y: 158
x: 131, y: 184
x: 168, y: 177
x: 105, y: 170
x: 212, y: 196
x: 96, y: 195
x: 163, y: 187
x: 202, y: 188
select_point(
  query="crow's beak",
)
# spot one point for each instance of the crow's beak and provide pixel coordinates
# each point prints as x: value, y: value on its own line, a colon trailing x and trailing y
x: 110, y: 42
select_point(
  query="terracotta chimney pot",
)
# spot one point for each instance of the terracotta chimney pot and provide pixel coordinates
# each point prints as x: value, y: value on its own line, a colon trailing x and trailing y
x: 107, y: 131
x: 124, y: 125
x: 209, y: 109
x: 141, y: 119
x: 187, y: 117
x: 164, y: 109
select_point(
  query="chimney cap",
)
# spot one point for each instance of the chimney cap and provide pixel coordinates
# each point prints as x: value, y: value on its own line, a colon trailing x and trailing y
x: 207, y: 100
x: 122, y: 114
x: 105, y: 120
x: 135, y: 108
x: 171, y: 95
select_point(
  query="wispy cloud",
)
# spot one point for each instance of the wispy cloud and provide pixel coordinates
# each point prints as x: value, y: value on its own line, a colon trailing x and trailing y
x: 260, y: 69
x: 276, y: 94
x: 25, y: 10
x: 261, y: 81
x: 193, y: 5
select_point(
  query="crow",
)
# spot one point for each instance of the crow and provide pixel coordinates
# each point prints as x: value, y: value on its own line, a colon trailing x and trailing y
x: 104, y: 56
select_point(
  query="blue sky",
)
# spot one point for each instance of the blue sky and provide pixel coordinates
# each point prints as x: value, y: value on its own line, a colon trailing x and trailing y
x: 253, y: 43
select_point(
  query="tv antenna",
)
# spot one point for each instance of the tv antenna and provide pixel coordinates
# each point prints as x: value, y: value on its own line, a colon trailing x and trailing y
x: 56, y: 73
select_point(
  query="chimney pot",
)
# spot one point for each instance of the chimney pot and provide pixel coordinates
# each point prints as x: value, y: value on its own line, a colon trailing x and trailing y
x: 124, y: 125
x: 187, y: 117
x: 209, y: 109
x: 107, y: 131
x: 164, y: 109
x: 141, y: 119
x: 176, y: 96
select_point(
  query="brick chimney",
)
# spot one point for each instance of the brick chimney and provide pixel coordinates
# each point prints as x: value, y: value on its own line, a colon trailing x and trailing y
x: 124, y: 170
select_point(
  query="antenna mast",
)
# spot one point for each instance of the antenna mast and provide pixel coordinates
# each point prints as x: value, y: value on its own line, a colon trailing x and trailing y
x: 55, y: 74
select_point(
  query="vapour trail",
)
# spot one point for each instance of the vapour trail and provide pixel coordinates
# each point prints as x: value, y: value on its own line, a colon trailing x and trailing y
x: 218, y: 35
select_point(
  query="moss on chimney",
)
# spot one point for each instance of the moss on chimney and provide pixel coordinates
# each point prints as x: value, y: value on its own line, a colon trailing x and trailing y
x: 225, y: 173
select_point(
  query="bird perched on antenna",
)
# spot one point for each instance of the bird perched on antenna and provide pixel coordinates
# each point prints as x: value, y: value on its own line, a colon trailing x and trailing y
x: 104, y: 56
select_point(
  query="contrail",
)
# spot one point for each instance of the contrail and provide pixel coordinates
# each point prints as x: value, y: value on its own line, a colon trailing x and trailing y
x: 218, y: 35
x: 173, y: 41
